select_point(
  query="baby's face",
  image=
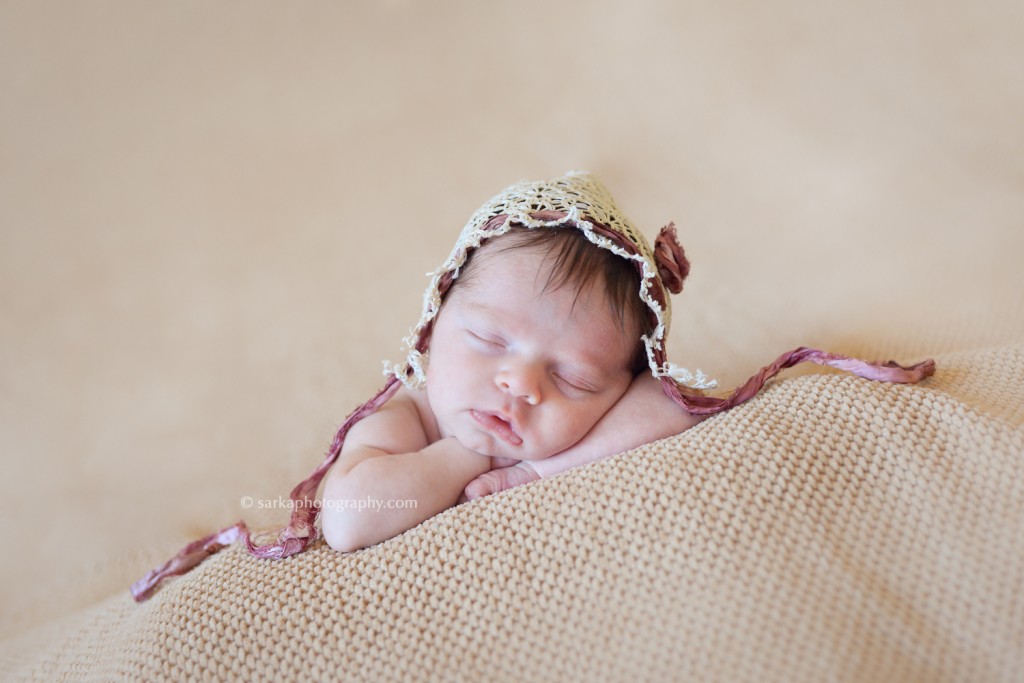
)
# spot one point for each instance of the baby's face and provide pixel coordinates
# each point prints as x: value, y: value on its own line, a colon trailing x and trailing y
x: 522, y: 374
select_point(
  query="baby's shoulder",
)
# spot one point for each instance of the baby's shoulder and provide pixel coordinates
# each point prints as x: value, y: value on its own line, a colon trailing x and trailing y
x: 398, y: 426
x: 415, y: 402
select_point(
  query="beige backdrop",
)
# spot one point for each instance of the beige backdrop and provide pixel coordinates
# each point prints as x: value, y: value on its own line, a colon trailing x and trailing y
x: 216, y: 218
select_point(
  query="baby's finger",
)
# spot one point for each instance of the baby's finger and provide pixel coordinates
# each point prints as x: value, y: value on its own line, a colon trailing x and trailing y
x: 499, y: 480
x: 479, y: 487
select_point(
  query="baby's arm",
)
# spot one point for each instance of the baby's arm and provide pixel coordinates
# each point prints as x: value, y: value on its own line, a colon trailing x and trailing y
x: 643, y: 414
x: 386, y: 458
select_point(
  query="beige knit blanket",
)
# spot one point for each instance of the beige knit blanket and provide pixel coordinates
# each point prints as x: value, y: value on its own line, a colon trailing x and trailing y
x: 832, y: 528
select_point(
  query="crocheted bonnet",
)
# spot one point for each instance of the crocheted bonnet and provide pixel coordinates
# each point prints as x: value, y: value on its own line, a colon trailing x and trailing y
x: 580, y: 201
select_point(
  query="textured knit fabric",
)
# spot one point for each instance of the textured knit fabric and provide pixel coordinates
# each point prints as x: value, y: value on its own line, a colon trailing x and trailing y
x: 831, y: 528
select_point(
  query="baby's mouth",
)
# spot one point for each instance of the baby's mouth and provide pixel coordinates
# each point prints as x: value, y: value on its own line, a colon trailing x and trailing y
x: 498, y: 426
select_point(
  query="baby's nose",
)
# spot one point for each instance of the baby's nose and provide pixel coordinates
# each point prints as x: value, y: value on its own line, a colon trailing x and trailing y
x: 523, y: 381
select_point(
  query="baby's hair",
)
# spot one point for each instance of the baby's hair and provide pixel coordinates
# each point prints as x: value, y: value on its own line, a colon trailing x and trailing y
x: 577, y: 262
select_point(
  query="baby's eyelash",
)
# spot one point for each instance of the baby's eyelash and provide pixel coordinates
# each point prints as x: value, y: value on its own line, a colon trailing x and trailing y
x: 486, y: 340
x: 574, y: 384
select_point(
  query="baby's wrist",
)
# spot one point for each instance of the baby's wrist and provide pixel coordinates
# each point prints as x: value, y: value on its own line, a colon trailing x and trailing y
x: 530, y: 466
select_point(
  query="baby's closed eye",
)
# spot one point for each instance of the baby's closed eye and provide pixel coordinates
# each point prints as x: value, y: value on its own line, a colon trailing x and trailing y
x: 574, y: 383
x: 487, y: 339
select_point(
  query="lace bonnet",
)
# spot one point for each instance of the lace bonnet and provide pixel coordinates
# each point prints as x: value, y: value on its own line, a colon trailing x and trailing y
x: 580, y: 200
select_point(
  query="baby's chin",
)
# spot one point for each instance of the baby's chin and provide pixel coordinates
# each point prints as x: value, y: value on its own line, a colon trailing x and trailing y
x: 486, y: 444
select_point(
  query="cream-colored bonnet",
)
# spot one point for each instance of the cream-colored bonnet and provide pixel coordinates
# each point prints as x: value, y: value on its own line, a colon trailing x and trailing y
x: 575, y: 199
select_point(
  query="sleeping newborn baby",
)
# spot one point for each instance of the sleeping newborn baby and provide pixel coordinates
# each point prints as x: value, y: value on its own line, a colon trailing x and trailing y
x: 536, y: 365
x: 541, y: 347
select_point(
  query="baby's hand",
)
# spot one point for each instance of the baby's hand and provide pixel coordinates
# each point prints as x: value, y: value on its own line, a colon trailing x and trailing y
x: 501, y: 476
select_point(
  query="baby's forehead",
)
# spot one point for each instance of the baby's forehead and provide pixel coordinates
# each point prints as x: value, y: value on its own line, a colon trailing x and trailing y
x: 520, y: 264
x: 558, y: 262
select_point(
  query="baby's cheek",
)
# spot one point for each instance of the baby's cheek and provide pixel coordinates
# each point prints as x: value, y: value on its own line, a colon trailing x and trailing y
x: 575, y: 424
x: 593, y: 412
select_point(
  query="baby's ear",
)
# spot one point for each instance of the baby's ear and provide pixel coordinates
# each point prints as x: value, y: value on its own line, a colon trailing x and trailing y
x: 670, y: 259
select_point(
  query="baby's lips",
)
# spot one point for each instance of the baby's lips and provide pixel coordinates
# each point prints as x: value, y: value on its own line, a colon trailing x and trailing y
x: 497, y: 426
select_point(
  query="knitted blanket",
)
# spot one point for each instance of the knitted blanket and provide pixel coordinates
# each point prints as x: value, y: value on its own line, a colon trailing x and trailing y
x: 832, y: 528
